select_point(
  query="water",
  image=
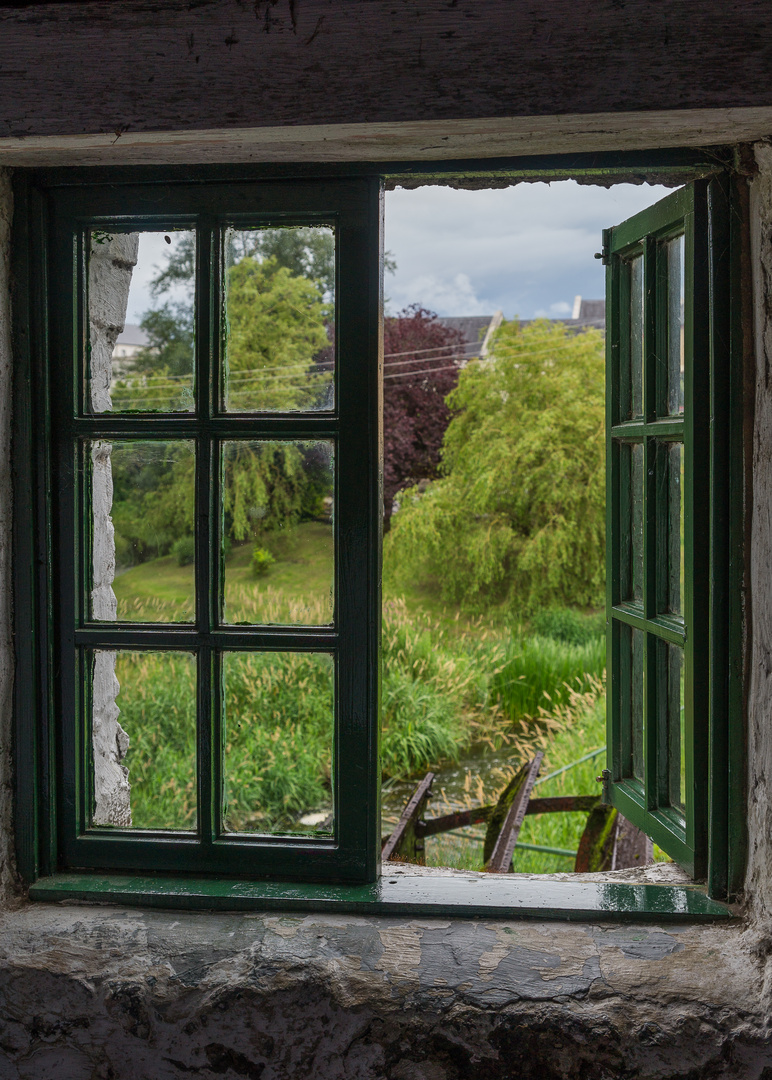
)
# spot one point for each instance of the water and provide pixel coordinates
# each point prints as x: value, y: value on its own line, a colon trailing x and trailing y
x: 477, y: 777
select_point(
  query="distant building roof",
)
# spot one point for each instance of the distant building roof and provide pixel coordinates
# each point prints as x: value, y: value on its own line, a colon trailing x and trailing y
x: 476, y: 330
x: 592, y: 311
x: 586, y: 313
x: 133, y: 335
x: 469, y: 325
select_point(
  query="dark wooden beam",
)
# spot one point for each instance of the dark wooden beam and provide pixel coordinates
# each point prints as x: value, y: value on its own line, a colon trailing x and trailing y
x: 141, y: 66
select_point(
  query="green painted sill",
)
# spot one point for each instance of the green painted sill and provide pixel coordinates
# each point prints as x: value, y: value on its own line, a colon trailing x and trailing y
x: 486, y: 896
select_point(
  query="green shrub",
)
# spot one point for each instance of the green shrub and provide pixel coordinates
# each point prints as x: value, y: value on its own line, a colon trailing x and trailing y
x: 569, y: 625
x: 184, y: 550
x: 262, y: 561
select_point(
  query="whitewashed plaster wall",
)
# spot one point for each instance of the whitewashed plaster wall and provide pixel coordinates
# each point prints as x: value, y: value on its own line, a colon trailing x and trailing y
x: 111, y: 264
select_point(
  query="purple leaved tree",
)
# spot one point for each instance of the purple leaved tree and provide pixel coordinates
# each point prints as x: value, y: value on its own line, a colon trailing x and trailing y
x: 420, y: 369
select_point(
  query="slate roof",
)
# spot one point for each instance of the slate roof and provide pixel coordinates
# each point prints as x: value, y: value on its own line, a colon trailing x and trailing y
x: 133, y: 335
x: 473, y: 327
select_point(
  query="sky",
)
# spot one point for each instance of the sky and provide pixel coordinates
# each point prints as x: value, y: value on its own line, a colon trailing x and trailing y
x: 525, y: 250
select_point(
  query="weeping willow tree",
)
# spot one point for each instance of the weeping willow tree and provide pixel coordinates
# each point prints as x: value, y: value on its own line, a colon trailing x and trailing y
x: 518, y: 514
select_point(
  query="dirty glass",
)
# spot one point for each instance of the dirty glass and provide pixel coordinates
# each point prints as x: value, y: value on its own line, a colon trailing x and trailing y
x: 675, y: 727
x: 279, y: 319
x: 277, y: 532
x: 143, y: 731
x: 635, y: 404
x: 675, y: 322
x: 143, y: 550
x: 631, y: 533
x: 278, y: 743
x: 140, y: 333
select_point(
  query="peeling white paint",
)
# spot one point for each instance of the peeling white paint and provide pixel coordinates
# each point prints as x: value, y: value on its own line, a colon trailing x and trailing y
x: 111, y: 262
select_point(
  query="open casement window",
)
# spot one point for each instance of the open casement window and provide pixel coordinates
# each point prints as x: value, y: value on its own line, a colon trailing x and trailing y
x: 170, y: 455
x: 253, y: 399
x: 668, y: 348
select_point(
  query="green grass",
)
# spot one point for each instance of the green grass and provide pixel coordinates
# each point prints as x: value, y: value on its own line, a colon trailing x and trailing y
x: 296, y: 588
x: 449, y: 681
x: 541, y: 672
x: 156, y: 591
x: 278, y: 738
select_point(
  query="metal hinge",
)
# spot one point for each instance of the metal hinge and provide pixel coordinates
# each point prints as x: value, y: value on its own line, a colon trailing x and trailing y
x: 603, y: 255
x: 605, y: 779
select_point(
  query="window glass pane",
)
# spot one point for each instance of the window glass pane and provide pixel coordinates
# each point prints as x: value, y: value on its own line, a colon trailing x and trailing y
x: 630, y: 701
x: 278, y: 743
x: 277, y: 530
x: 143, y: 723
x: 631, y: 525
x: 637, y: 702
x: 279, y: 319
x: 675, y: 527
x: 140, y: 343
x: 676, y: 740
x: 142, y: 499
x: 635, y: 407
x: 675, y: 322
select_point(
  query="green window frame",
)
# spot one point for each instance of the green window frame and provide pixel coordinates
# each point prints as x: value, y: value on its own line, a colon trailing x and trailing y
x: 353, y: 208
x: 672, y: 576
x: 57, y: 851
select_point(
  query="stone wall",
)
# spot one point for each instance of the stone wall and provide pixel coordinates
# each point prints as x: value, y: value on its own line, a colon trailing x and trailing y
x: 7, y: 658
x: 126, y: 995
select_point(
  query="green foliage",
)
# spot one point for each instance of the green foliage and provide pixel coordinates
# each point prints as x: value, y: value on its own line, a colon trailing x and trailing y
x: 541, y: 673
x: 184, y: 550
x: 278, y: 737
x: 446, y: 687
x: 276, y: 325
x: 519, y: 513
x: 569, y: 625
x: 153, y: 497
x: 158, y: 711
x: 170, y: 340
x: 305, y: 251
x: 261, y: 562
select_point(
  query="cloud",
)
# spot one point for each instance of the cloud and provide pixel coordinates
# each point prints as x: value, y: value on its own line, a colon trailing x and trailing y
x: 519, y: 247
x: 445, y: 296
x: 558, y: 310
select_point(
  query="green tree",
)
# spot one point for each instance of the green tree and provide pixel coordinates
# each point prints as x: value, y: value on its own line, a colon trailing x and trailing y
x: 276, y: 331
x: 519, y: 514
x: 276, y: 326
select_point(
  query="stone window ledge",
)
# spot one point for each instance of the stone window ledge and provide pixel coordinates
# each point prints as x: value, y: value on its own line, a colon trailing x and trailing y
x: 110, y: 991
